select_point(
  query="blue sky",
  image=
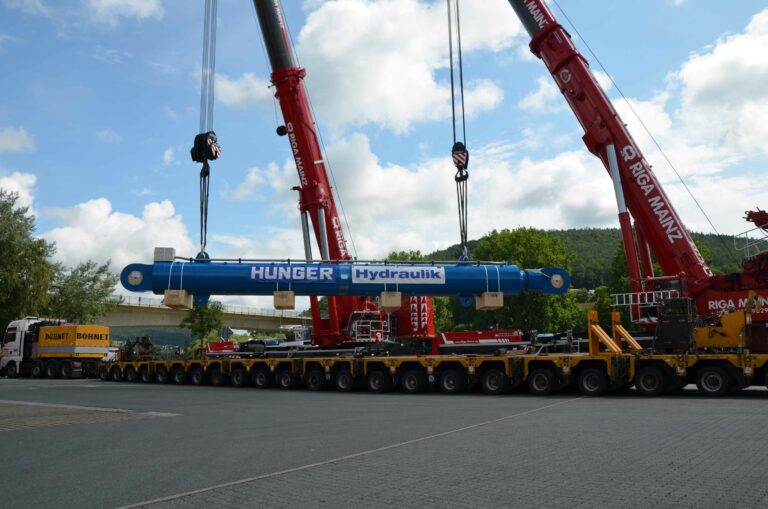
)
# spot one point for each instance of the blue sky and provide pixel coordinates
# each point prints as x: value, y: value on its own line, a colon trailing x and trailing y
x: 101, y: 102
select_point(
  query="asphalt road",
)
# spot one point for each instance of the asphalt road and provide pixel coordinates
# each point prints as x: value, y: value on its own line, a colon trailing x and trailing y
x: 86, y: 443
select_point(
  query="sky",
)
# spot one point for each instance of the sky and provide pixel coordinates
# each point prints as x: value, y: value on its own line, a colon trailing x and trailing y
x: 101, y: 101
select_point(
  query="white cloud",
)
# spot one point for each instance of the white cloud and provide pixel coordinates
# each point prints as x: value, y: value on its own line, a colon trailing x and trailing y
x: 109, y: 136
x: 16, y: 139
x: 547, y: 97
x: 169, y: 157
x: 93, y: 230
x: 34, y: 7
x: 603, y: 80
x: 110, y: 11
x: 4, y: 39
x: 376, y: 74
x: 242, y: 92
x: 22, y: 184
x: 253, y: 180
x: 170, y: 113
x: 145, y: 191
x: 109, y: 55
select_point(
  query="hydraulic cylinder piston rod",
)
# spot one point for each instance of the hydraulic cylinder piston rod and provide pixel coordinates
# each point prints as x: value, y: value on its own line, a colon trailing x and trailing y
x: 344, y: 278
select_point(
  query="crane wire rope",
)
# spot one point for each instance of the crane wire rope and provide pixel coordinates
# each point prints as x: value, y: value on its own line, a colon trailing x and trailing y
x: 459, y: 152
x: 335, y: 190
x: 206, y: 147
x: 645, y: 128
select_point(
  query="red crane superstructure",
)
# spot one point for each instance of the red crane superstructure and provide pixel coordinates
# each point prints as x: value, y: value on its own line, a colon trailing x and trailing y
x: 639, y: 195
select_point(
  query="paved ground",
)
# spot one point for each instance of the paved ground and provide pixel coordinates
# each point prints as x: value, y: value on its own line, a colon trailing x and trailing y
x: 99, y: 444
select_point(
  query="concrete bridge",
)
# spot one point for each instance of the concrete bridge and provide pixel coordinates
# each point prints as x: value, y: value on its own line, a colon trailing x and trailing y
x: 149, y: 312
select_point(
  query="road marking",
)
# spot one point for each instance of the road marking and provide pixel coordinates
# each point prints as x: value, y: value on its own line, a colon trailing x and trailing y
x: 89, y: 408
x: 347, y: 457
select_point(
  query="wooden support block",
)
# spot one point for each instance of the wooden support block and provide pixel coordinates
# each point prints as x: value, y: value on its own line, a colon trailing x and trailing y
x: 284, y: 299
x: 390, y: 301
x: 488, y: 301
x: 177, y: 299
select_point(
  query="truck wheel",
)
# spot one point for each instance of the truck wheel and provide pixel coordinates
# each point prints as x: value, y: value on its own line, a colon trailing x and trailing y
x: 494, y: 381
x: 179, y: 376
x: 38, y: 370
x: 218, y: 378
x: 52, y: 369
x: 593, y: 382
x: 162, y: 376
x: 378, y: 381
x: 197, y: 376
x: 104, y: 374
x: 66, y: 369
x: 263, y: 379
x: 116, y: 375
x: 713, y: 381
x: 542, y: 382
x: 315, y: 380
x: 130, y: 374
x: 650, y: 381
x: 452, y: 381
x: 239, y: 377
x: 11, y: 371
x: 285, y: 379
x: 414, y: 381
x: 344, y: 381
x: 145, y: 375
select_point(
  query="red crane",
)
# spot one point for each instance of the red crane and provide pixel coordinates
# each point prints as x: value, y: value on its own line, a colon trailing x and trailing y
x: 657, y: 227
x: 316, y: 201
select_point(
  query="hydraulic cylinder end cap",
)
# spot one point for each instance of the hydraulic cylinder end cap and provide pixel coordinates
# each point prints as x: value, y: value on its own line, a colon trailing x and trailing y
x: 137, y: 277
x: 548, y: 280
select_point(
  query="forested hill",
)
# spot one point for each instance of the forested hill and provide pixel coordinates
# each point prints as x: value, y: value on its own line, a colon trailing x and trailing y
x: 596, y: 248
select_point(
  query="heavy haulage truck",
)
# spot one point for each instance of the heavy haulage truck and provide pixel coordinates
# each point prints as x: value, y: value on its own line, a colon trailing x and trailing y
x: 697, y: 336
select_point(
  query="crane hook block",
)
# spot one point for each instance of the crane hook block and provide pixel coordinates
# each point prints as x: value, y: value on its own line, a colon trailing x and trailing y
x: 460, y: 156
x: 205, y: 148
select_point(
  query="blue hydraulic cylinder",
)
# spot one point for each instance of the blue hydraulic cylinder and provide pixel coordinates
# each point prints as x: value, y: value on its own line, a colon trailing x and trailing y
x: 203, y: 277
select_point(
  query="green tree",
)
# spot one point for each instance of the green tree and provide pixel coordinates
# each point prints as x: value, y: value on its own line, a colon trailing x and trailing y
x: 82, y: 294
x: 25, y: 272
x: 203, y: 321
x: 527, y: 248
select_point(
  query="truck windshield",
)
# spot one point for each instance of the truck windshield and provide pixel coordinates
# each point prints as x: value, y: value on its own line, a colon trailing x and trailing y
x: 10, y: 335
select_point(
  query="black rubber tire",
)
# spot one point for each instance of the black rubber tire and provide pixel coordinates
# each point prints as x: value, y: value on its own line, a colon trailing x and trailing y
x: 414, y: 381
x: 115, y: 374
x: 65, y: 369
x: 52, y: 369
x: 452, y: 381
x: 650, y: 381
x: 179, y: 376
x: 285, y: 379
x: 542, y: 382
x: 104, y: 374
x: 344, y: 381
x: 263, y: 378
x: 493, y: 381
x: 314, y: 380
x: 378, y: 381
x: 218, y: 378
x: 162, y: 375
x: 130, y: 374
x: 145, y: 375
x: 239, y: 377
x: 197, y: 376
x: 38, y: 370
x: 593, y: 382
x: 713, y: 381
x: 11, y: 371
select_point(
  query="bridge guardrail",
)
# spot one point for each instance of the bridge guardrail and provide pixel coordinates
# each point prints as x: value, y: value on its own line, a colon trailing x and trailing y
x: 152, y: 302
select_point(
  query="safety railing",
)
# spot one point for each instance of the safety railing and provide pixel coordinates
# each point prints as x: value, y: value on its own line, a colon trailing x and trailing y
x: 642, y: 300
x: 152, y: 302
x: 751, y: 242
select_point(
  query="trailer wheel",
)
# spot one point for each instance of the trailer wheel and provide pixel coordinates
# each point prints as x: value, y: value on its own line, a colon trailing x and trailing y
x: 494, y: 381
x: 38, y: 370
x: 650, y: 381
x: 130, y: 374
x: 11, y: 371
x: 414, y: 381
x: 104, y: 374
x: 197, y: 376
x: 713, y: 381
x: 452, y: 381
x: 239, y: 377
x: 343, y: 380
x: 285, y: 379
x: 179, y: 376
x: 115, y: 374
x: 379, y: 380
x: 162, y: 376
x: 145, y: 375
x: 218, y: 378
x: 542, y: 382
x: 593, y: 382
x: 263, y: 379
x: 52, y: 369
x: 315, y: 380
